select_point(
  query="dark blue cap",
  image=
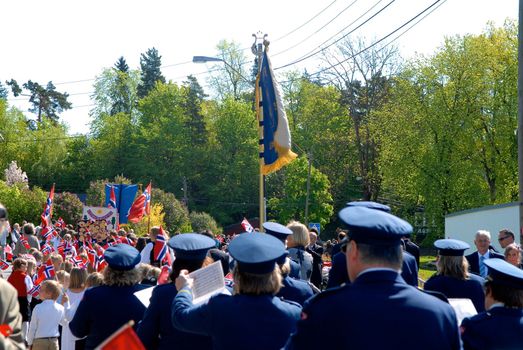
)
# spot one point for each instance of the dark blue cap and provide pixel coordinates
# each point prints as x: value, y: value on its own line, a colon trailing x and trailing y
x: 122, y: 257
x: 277, y: 230
x: 503, y: 273
x: 370, y: 205
x: 256, y: 252
x: 191, y: 246
x: 451, y: 247
x: 374, y: 227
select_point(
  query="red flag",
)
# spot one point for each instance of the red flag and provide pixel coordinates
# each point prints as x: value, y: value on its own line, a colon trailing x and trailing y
x: 60, y: 223
x: 163, y: 278
x: 3, y: 265
x: 112, y: 199
x: 141, y: 206
x: 8, y: 253
x: 247, y: 226
x: 160, y: 246
x: 35, y: 291
x: 25, y: 243
x: 46, y: 271
x: 48, y: 209
x: 123, y: 339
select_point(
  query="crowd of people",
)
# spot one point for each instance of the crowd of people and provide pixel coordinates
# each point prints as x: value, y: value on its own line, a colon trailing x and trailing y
x: 70, y: 290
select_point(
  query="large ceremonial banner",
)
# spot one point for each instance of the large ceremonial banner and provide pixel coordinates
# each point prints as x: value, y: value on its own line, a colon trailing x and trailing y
x: 97, y: 214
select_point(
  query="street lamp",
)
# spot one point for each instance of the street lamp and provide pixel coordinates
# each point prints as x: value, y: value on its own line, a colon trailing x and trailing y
x: 205, y: 59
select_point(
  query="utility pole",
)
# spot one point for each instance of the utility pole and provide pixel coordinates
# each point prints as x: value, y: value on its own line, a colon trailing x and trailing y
x: 185, y: 200
x: 309, y: 158
x: 520, y: 118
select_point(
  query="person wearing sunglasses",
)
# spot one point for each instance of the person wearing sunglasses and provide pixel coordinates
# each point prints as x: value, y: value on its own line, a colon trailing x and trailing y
x: 505, y: 237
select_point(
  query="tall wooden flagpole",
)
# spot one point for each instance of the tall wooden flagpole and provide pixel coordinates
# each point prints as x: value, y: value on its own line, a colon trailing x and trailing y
x: 257, y: 49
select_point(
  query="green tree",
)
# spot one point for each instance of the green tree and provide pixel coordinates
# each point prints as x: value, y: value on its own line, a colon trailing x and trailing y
x: 67, y: 206
x: 202, y: 221
x: 150, y: 64
x: 193, y: 105
x: 290, y: 204
x: 22, y: 203
x: 176, y: 214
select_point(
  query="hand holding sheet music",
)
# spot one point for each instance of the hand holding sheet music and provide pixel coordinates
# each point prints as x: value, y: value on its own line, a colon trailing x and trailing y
x: 206, y: 282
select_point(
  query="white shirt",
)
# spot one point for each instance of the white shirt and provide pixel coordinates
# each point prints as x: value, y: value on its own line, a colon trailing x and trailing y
x: 68, y: 339
x: 486, y: 255
x: 45, y: 320
x: 145, y: 254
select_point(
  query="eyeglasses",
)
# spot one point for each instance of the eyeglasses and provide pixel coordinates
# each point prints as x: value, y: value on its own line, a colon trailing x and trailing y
x: 503, y: 238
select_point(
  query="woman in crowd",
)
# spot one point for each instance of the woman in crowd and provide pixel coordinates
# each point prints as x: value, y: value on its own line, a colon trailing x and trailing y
x: 501, y: 325
x: 75, y: 293
x: 297, y: 242
x: 452, y: 277
x: 156, y: 330
x: 258, y: 319
x: 513, y: 255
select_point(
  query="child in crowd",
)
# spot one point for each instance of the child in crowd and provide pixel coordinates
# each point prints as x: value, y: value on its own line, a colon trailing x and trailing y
x: 75, y: 293
x: 43, y: 330
x: 23, y: 283
x: 94, y: 279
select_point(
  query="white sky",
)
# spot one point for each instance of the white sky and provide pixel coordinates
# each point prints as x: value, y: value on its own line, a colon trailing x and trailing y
x: 64, y: 40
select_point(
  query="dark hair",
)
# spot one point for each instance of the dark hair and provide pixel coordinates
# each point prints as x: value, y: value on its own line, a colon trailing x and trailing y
x: 29, y: 229
x: 207, y: 233
x: 141, y: 243
x: 3, y: 212
x: 389, y: 256
x: 511, y: 297
x: 189, y: 265
x: 506, y: 231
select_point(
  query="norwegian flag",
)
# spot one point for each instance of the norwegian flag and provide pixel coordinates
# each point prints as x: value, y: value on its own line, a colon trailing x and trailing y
x: 46, y: 249
x: 68, y: 247
x: 160, y: 246
x: 100, y: 263
x: 247, y: 226
x: 80, y: 262
x: 25, y: 243
x: 48, y: 209
x: 46, y: 271
x: 3, y: 265
x: 141, y: 206
x: 163, y: 278
x: 35, y: 291
x: 112, y: 199
x: 48, y: 232
x: 61, y: 248
x: 60, y: 223
x: 8, y: 253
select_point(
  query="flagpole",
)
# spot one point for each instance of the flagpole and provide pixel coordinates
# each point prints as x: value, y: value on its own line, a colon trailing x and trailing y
x: 257, y: 49
x: 150, y: 208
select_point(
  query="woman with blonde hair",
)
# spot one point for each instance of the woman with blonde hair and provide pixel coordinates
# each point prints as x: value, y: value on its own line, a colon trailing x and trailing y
x: 297, y: 242
x: 452, y: 277
x: 75, y: 292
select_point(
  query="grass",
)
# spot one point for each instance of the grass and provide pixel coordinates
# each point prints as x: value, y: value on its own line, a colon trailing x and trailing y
x: 427, y: 266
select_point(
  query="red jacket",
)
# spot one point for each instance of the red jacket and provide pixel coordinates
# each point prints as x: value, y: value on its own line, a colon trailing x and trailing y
x: 17, y: 279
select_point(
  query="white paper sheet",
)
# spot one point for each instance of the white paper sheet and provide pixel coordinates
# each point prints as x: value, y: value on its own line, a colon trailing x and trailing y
x: 207, y: 282
x: 463, y: 308
x: 144, y: 295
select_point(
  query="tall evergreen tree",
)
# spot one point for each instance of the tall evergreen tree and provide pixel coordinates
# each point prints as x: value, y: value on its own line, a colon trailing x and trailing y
x: 3, y: 92
x: 195, y: 122
x: 150, y: 63
x: 121, y: 65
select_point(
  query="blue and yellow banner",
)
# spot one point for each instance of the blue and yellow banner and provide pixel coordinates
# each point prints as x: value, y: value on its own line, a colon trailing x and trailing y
x: 276, y: 134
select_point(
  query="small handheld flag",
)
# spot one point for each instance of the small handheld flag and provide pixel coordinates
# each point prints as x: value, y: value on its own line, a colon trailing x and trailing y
x: 25, y: 243
x: 160, y: 246
x: 247, y: 226
x: 3, y: 265
x: 123, y: 339
x: 48, y: 209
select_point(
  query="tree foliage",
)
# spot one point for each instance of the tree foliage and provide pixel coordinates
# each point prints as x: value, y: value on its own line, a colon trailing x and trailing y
x: 150, y: 64
x: 201, y: 221
x: 67, y: 206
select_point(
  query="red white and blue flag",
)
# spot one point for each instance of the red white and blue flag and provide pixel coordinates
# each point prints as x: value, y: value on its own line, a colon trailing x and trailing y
x: 46, y: 271
x: 48, y: 209
x: 160, y: 246
x: 112, y: 199
x: 47, y: 249
x: 141, y: 206
x: 25, y: 243
x: 48, y: 232
x: 247, y: 225
x: 80, y: 262
x: 3, y: 265
x: 35, y: 291
x: 8, y: 253
x: 60, y: 223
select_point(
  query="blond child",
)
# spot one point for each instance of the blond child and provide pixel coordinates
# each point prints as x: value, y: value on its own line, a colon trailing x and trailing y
x: 43, y: 329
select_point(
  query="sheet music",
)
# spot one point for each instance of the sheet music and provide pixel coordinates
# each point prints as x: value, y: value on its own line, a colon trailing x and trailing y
x: 207, y: 281
x: 463, y: 308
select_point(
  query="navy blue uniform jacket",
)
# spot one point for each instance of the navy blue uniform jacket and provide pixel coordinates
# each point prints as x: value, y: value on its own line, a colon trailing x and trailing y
x: 473, y: 260
x: 373, y: 313
x: 103, y: 310
x: 295, y: 290
x: 499, y: 328
x: 156, y: 330
x: 251, y: 322
x: 455, y: 288
x: 338, y: 273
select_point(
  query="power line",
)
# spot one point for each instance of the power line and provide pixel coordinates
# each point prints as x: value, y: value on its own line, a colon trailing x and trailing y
x: 309, y: 55
x: 316, y: 32
x: 307, y: 22
x: 380, y: 40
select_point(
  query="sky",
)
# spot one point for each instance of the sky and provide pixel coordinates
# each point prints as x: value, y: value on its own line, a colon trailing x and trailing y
x: 71, y: 42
